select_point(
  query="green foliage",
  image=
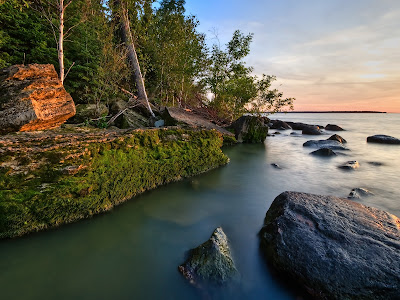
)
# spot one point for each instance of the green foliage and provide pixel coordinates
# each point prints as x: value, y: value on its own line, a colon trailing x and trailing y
x: 110, y: 173
x: 236, y: 91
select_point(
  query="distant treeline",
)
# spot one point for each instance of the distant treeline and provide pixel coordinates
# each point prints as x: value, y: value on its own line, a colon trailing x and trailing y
x: 177, y: 65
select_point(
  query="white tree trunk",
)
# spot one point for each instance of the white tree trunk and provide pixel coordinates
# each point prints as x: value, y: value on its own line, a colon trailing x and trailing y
x: 128, y: 39
x: 61, y: 40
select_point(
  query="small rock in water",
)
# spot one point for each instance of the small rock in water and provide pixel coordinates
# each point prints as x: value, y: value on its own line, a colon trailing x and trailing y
x: 338, y: 138
x: 211, y: 262
x: 324, y: 152
x: 334, y: 145
x: 276, y: 132
x: 383, y: 139
x: 276, y: 166
x: 358, y: 193
x: 333, y: 127
x: 350, y: 165
x: 376, y: 163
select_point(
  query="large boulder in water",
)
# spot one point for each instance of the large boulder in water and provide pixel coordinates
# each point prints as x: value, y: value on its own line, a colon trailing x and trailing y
x: 32, y: 98
x: 250, y: 129
x: 326, y: 152
x: 333, y: 247
x: 211, y: 262
x: 383, y: 139
x: 330, y: 144
x: 333, y: 127
x: 311, y: 130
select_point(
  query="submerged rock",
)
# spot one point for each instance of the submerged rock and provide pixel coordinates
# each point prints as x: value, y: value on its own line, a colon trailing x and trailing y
x: 211, y: 262
x: 383, y: 139
x: 350, y: 165
x: 333, y: 247
x: 250, y: 129
x: 276, y: 166
x: 376, y: 163
x: 338, y: 138
x: 324, y: 152
x: 330, y: 144
x: 333, y: 127
x: 358, y: 193
x: 32, y: 98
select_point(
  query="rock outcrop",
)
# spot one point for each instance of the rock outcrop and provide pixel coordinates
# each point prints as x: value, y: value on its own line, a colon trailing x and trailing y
x: 383, y: 139
x: 278, y: 124
x: 178, y: 116
x: 250, y: 129
x: 59, y: 176
x: 32, y: 98
x: 211, y: 262
x: 333, y: 247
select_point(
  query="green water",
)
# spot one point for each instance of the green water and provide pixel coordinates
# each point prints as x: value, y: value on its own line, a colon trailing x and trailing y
x: 133, y: 252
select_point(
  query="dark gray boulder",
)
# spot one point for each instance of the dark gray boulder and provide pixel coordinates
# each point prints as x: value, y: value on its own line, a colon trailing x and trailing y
x: 334, y: 145
x: 338, y: 138
x: 383, y: 139
x: 335, y: 248
x: 333, y: 127
x: 298, y: 125
x: 325, y: 152
x: 211, y: 262
x: 311, y: 130
x: 350, y: 165
x: 278, y: 124
x: 250, y: 129
x: 358, y: 193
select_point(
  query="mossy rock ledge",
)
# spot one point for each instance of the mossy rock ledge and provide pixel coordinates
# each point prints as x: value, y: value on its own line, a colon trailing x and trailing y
x: 55, y: 177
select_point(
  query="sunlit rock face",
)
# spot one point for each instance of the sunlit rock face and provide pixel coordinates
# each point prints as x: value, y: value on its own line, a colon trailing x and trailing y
x: 32, y: 98
x: 334, y: 248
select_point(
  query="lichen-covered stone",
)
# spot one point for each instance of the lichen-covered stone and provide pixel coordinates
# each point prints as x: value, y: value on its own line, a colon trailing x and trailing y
x: 32, y: 98
x: 333, y: 247
x: 54, y: 177
x: 211, y: 262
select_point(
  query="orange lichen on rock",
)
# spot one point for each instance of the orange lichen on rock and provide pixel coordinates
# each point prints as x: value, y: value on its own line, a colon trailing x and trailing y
x: 32, y: 98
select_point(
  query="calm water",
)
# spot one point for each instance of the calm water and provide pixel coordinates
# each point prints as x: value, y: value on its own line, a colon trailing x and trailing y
x: 133, y: 252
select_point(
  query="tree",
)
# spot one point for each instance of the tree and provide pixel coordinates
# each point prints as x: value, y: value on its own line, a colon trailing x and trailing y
x: 121, y: 8
x: 235, y: 90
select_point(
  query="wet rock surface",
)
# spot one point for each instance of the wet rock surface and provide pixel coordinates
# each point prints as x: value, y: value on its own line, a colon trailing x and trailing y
x: 358, y: 193
x: 278, y: 124
x: 383, y: 139
x: 350, y: 165
x: 333, y: 127
x: 211, y: 262
x: 311, y: 130
x: 338, y: 138
x: 32, y: 98
x: 334, y: 145
x: 334, y: 248
x: 325, y: 152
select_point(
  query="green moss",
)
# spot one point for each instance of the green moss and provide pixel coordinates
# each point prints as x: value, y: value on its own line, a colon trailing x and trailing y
x: 256, y: 132
x: 229, y: 140
x: 106, y: 174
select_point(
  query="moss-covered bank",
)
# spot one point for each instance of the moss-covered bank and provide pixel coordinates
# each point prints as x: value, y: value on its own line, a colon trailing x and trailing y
x: 52, y: 178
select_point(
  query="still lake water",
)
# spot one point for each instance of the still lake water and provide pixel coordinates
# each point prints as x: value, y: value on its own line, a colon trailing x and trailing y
x: 133, y: 252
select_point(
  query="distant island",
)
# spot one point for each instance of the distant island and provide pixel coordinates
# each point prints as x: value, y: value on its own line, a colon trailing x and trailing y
x: 338, y: 112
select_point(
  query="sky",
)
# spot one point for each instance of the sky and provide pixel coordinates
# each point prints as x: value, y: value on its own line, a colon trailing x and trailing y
x: 328, y: 54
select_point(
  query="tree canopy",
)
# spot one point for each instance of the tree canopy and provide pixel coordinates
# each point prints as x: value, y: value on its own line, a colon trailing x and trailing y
x: 177, y: 65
